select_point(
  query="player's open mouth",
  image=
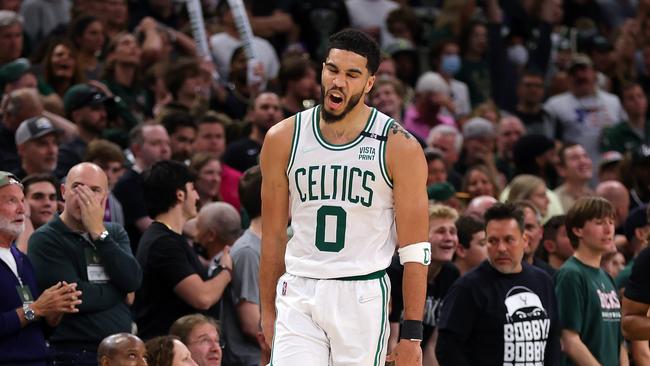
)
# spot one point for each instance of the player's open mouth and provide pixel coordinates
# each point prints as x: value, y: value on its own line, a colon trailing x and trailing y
x: 334, y: 101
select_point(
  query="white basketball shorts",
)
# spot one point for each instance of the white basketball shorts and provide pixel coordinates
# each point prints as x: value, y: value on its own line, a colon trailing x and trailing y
x: 342, y: 322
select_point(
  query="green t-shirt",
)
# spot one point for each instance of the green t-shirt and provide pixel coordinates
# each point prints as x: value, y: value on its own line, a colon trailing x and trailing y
x: 624, y: 276
x: 589, y: 305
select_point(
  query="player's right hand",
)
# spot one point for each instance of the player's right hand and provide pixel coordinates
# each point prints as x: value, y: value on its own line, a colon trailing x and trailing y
x: 407, y: 353
x: 268, y: 325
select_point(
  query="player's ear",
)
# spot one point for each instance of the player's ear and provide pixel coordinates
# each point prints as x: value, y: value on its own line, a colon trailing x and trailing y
x: 370, y: 83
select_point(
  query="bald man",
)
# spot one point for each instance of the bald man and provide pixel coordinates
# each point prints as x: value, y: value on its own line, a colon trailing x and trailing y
x: 218, y: 225
x: 122, y: 349
x: 479, y: 205
x: 78, y: 246
x: 616, y: 193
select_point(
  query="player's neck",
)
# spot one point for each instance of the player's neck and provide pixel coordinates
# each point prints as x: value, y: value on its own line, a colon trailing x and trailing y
x: 348, y: 128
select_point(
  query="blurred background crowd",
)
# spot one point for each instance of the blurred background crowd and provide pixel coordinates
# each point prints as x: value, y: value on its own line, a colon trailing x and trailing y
x: 536, y: 100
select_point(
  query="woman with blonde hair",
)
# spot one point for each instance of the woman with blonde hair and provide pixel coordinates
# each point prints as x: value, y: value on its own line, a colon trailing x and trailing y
x: 531, y: 188
x: 480, y: 181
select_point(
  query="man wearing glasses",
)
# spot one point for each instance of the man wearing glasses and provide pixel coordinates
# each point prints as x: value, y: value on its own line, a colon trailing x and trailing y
x: 201, y: 336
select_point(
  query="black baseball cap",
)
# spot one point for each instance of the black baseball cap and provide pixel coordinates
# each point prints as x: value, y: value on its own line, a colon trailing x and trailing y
x: 82, y: 95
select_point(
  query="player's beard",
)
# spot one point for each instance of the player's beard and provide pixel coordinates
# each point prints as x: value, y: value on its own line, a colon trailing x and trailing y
x: 331, y: 117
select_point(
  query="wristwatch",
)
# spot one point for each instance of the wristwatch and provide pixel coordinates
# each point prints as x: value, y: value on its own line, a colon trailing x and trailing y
x: 30, y: 315
x: 221, y: 267
x: 103, y: 235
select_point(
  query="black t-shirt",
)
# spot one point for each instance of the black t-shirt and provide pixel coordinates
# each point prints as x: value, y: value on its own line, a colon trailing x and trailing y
x: 166, y: 259
x: 9, y: 159
x: 638, y: 286
x: 437, y: 288
x: 534, y: 122
x: 128, y: 191
x: 491, y: 318
x: 242, y: 154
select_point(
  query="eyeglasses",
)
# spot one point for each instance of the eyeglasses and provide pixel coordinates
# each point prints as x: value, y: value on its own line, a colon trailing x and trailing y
x: 207, y: 341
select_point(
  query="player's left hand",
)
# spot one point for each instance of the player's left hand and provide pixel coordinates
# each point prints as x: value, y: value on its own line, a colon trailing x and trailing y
x: 407, y: 353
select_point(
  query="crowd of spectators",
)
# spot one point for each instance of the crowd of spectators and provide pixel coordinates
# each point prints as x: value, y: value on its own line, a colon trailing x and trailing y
x: 136, y: 156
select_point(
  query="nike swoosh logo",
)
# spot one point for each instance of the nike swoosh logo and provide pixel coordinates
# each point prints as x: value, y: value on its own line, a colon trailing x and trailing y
x: 309, y: 148
x: 364, y: 299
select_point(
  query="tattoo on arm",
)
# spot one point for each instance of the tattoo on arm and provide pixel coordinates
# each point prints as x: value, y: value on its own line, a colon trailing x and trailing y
x: 397, y: 128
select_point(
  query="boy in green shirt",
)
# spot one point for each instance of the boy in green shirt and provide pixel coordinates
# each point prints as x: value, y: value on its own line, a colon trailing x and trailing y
x: 588, y: 304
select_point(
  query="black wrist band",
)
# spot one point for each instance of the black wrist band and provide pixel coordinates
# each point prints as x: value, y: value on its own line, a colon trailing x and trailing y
x: 411, y: 330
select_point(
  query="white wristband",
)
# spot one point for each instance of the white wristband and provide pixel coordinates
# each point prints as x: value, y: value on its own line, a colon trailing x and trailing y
x: 416, y: 252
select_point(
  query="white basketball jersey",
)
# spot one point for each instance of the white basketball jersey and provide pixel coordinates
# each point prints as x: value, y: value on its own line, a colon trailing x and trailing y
x: 341, y: 201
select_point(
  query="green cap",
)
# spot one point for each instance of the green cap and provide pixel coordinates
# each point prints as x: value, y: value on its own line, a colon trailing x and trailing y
x: 7, y: 178
x: 440, y: 191
x: 13, y: 71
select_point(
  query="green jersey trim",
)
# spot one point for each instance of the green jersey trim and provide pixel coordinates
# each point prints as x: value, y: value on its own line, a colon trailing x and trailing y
x: 294, y: 142
x: 370, y: 276
x: 382, y: 154
x: 321, y: 140
x: 384, y: 301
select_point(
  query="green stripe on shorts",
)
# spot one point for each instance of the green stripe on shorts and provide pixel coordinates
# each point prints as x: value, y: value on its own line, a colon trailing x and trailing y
x: 380, y: 343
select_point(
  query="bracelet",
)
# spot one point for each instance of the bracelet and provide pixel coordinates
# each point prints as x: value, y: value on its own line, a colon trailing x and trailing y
x: 411, y: 330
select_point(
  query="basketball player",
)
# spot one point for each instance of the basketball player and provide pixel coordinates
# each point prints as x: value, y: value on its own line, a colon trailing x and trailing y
x: 354, y: 181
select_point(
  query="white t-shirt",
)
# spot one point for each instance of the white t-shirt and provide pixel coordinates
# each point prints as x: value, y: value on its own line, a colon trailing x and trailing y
x: 582, y: 120
x: 371, y: 13
x: 7, y: 257
x: 223, y: 45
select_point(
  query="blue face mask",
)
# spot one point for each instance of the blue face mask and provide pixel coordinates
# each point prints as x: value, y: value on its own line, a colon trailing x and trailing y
x: 450, y: 64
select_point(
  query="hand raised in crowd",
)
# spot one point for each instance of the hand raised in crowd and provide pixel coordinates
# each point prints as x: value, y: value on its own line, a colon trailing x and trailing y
x: 407, y: 353
x: 61, y: 298
x: 147, y: 24
x: 102, y: 87
x: 92, y: 209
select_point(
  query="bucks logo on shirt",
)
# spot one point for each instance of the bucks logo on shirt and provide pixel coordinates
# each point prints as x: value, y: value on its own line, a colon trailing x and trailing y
x: 341, y: 201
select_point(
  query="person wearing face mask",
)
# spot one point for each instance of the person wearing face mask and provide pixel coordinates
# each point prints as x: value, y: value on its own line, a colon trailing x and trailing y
x: 446, y: 61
